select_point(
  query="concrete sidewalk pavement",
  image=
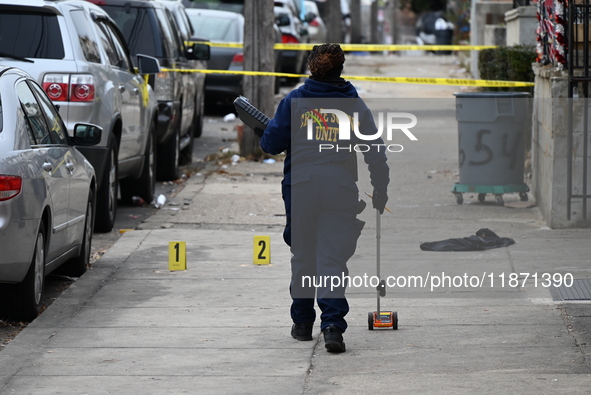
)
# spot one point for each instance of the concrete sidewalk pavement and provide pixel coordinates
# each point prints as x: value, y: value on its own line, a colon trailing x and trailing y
x: 130, y: 325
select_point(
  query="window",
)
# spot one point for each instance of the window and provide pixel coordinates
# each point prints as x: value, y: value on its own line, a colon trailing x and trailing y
x: 180, y: 43
x: 136, y: 26
x: 215, y: 29
x: 1, y: 116
x: 30, y: 35
x: 107, y: 44
x: 39, y: 132
x: 58, y: 131
x: 167, y: 34
x: 86, y: 37
x: 122, y: 54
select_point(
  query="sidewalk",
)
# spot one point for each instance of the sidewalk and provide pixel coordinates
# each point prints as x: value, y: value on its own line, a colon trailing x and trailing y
x: 130, y: 325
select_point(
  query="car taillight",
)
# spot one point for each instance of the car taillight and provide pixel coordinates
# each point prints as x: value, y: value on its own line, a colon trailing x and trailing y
x: 69, y: 87
x: 314, y: 22
x: 10, y: 186
x: 237, y: 62
x: 56, y: 86
x: 289, y: 39
x: 82, y: 87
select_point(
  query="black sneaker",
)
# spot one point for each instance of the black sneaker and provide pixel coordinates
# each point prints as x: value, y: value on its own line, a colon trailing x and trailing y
x: 333, y: 339
x: 302, y: 332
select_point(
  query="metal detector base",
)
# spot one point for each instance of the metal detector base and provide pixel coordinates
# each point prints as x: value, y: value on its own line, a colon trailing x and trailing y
x: 382, y: 319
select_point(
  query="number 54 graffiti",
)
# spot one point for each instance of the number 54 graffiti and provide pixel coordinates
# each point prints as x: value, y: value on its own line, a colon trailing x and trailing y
x: 509, y: 150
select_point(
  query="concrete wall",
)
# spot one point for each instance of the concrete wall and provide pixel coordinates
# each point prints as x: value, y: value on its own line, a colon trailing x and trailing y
x: 550, y: 150
x: 484, y: 13
x: 495, y: 35
x: 521, y: 25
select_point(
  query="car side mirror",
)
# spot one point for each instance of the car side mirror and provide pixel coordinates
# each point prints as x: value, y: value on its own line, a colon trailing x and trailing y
x: 282, y: 20
x: 148, y: 64
x: 87, y: 134
x: 198, y: 51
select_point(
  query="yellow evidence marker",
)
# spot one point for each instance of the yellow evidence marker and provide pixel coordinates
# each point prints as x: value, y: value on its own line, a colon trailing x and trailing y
x: 177, y: 255
x: 262, y: 250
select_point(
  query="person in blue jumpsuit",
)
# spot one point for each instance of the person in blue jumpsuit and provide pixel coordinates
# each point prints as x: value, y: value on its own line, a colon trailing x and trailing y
x: 319, y: 189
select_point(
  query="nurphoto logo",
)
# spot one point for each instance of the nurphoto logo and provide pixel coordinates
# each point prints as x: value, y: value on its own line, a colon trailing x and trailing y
x: 319, y: 129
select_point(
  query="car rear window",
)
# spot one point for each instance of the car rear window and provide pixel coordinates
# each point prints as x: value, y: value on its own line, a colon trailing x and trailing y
x: 30, y: 35
x: 215, y: 28
x: 136, y: 24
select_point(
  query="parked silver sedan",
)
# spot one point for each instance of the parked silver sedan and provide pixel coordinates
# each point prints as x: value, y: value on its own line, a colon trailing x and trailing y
x: 47, y: 194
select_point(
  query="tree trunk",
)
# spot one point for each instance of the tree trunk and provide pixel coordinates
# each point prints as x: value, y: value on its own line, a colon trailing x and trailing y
x: 258, y: 56
x: 355, y: 21
x: 334, y: 21
x: 374, y: 23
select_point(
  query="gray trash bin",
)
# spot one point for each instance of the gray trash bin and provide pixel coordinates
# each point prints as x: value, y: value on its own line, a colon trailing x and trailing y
x: 491, y: 130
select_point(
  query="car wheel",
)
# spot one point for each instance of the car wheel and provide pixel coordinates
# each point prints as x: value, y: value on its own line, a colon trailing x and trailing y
x: 168, y: 158
x: 145, y: 186
x: 29, y: 293
x: 106, y: 202
x: 77, y: 266
x: 198, y: 118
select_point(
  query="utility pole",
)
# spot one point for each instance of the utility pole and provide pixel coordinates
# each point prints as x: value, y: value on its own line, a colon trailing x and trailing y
x: 259, y: 34
x: 334, y: 22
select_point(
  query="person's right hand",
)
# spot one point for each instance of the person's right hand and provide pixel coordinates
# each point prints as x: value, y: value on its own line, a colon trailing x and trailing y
x: 379, y: 200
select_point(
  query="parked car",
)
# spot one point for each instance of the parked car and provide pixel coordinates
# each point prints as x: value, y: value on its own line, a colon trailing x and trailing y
x: 47, y: 194
x: 225, y: 27
x: 292, y: 32
x: 148, y: 27
x: 187, y: 34
x: 316, y: 26
x: 77, y: 54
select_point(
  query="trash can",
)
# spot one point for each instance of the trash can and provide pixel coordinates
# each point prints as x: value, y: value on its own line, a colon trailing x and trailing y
x: 491, y: 131
x: 443, y: 37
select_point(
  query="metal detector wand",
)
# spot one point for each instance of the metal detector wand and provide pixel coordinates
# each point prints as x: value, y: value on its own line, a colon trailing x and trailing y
x: 378, y: 237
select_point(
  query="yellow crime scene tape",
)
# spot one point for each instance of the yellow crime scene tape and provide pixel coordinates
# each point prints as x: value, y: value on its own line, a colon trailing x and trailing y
x: 371, y: 47
x: 399, y: 80
x: 358, y: 47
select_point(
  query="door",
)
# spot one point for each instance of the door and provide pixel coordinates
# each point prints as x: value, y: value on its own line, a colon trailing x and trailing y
x: 129, y: 91
x: 75, y: 170
x: 51, y: 163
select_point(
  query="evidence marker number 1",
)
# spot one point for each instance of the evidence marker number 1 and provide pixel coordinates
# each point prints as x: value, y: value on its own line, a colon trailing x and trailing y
x: 262, y: 250
x: 177, y: 255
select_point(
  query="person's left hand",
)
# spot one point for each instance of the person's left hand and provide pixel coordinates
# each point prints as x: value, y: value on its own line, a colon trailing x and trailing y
x: 379, y: 200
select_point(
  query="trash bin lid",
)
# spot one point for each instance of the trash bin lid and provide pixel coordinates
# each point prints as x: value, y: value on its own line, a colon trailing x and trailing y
x: 491, y: 94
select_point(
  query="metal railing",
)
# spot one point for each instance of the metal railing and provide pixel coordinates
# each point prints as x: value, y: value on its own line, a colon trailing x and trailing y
x: 579, y: 78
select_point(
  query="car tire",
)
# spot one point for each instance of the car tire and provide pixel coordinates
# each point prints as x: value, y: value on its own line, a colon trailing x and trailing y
x: 145, y: 186
x: 168, y: 158
x: 29, y: 293
x: 187, y: 152
x: 77, y: 266
x: 106, y: 199
x: 198, y: 118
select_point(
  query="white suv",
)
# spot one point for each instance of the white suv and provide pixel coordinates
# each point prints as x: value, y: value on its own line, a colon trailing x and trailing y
x: 78, y: 55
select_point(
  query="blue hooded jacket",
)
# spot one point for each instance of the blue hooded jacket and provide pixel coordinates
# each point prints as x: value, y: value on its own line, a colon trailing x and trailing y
x: 310, y: 153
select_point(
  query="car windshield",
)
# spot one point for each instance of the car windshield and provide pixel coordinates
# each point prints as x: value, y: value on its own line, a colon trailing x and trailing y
x: 215, y: 28
x: 30, y: 35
